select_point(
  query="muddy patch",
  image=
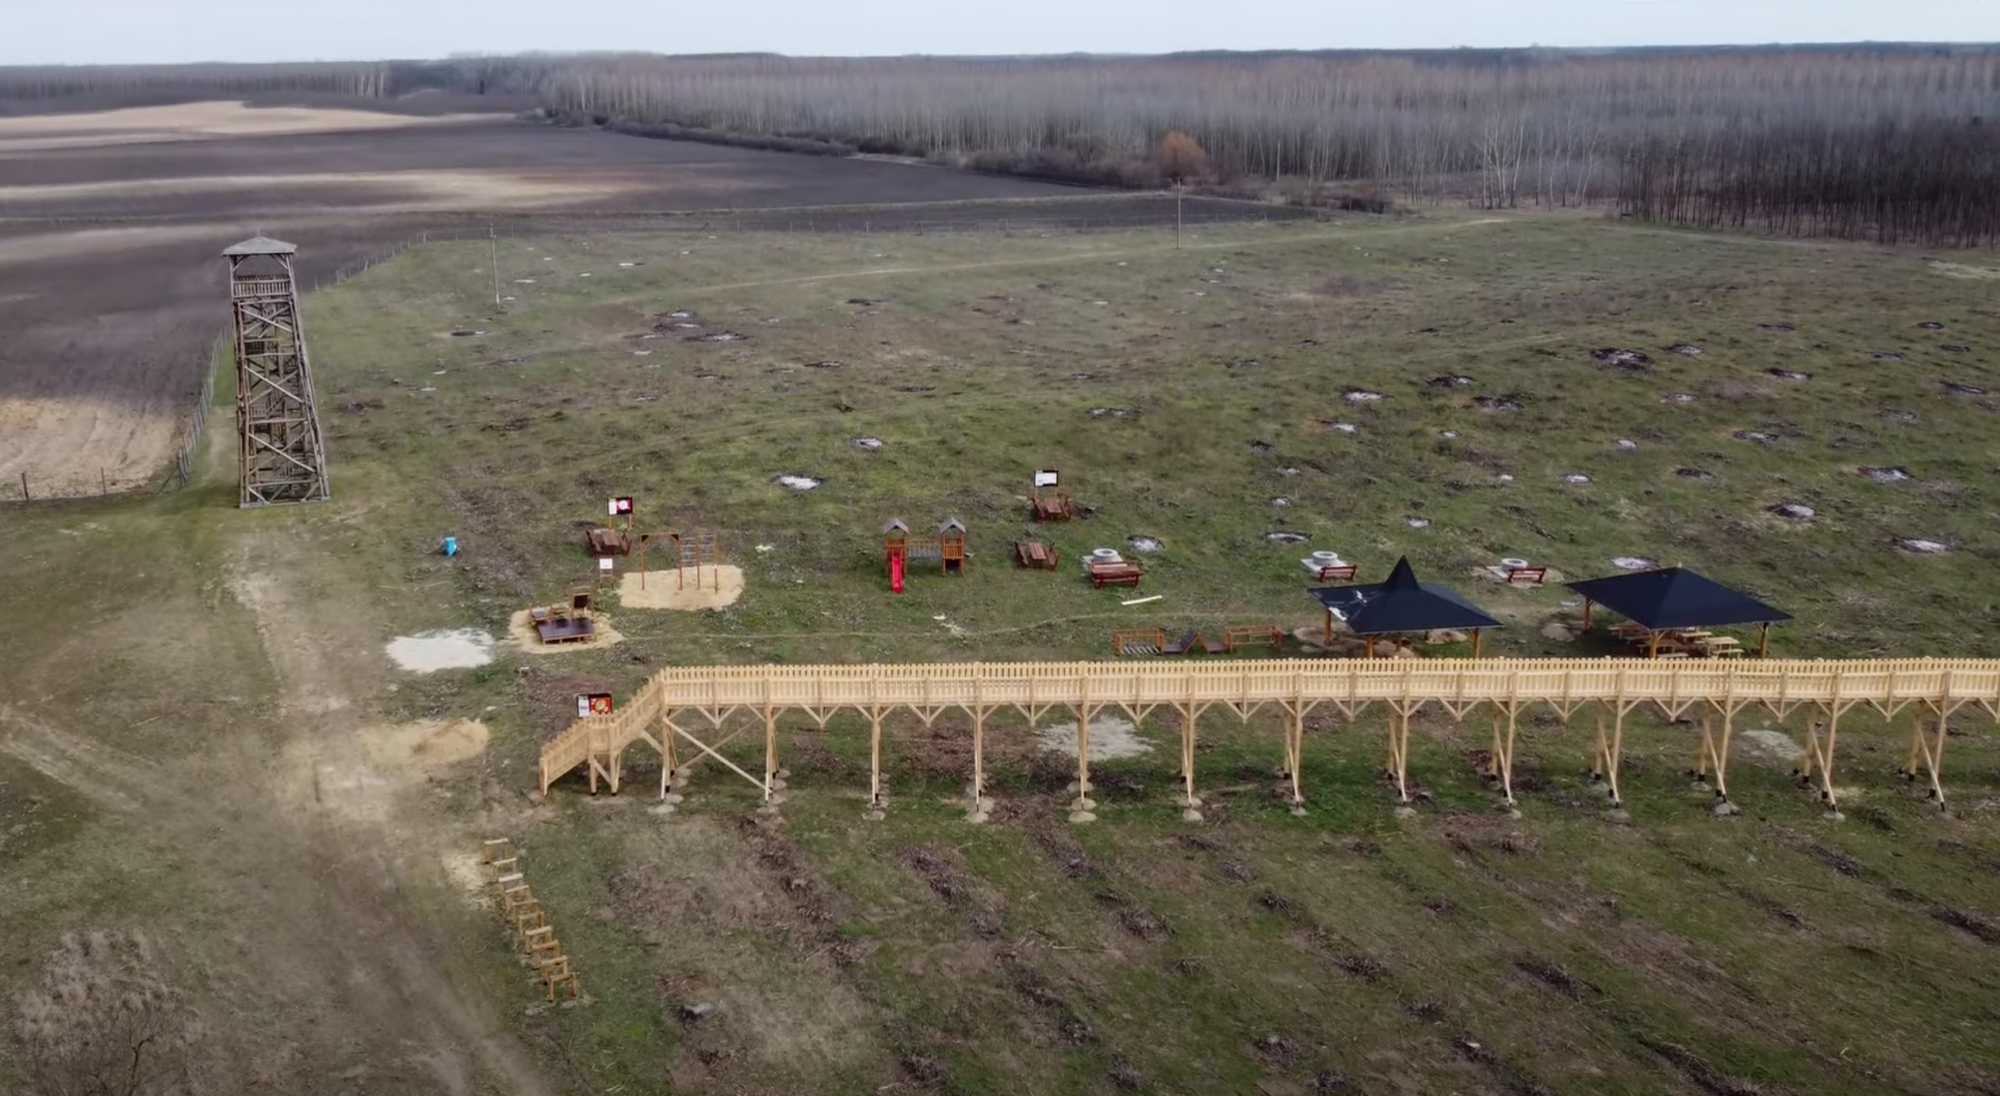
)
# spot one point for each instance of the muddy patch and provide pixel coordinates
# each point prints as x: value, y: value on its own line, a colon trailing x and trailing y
x: 1631, y: 361
x: 1885, y: 355
x: 1111, y: 738
x: 867, y: 443
x: 1449, y: 380
x: 1931, y: 325
x: 1788, y: 374
x: 1954, y: 348
x: 718, y: 337
x: 1286, y: 536
x: 1955, y: 388
x: 1575, y: 479
x: 1262, y: 447
x: 1699, y: 475
x: 1415, y: 522
x: 1758, y: 437
x: 828, y: 364
x: 1792, y: 511
x: 1775, y: 328
x: 1113, y: 413
x: 446, y: 649
x: 1146, y: 546
x: 1922, y: 547
x: 797, y: 481
x: 1679, y: 397
x: 1897, y: 415
x: 1633, y: 563
x: 1496, y: 403
x: 1362, y: 395
x: 1685, y: 350
x: 1626, y: 445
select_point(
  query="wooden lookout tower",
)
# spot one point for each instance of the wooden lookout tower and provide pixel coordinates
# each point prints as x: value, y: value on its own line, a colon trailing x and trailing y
x: 280, y: 455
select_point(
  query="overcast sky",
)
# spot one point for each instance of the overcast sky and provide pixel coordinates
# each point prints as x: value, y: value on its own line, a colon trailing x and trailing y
x: 113, y: 31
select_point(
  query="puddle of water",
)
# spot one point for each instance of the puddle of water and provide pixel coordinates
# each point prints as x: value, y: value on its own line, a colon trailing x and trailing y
x: 448, y: 649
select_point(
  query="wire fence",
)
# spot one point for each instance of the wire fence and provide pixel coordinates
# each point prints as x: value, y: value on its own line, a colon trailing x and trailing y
x: 72, y: 483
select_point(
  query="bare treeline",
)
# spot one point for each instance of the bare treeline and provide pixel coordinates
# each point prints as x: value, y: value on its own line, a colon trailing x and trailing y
x: 1883, y: 142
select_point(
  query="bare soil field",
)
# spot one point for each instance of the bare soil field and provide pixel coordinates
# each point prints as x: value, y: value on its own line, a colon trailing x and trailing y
x: 110, y: 225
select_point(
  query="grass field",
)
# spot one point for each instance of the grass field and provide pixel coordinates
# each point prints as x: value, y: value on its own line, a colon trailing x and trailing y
x: 1460, y: 950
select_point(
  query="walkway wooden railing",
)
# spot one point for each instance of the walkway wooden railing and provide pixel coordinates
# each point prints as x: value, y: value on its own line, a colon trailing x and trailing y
x: 1616, y: 687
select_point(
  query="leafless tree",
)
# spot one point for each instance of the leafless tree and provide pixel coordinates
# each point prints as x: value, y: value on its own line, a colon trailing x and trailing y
x: 102, y: 1023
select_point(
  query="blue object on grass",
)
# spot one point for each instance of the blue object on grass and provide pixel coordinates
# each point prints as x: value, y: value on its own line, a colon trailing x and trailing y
x: 451, y: 546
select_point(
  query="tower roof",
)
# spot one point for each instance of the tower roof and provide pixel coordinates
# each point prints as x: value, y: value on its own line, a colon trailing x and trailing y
x: 261, y: 245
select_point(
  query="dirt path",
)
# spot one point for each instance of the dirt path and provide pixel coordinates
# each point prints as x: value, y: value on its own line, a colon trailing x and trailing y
x: 324, y: 649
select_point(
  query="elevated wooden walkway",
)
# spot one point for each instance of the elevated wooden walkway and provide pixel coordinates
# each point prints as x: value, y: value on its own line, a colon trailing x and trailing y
x: 679, y: 700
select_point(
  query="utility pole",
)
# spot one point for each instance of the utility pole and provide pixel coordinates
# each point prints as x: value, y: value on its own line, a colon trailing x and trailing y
x: 494, y: 240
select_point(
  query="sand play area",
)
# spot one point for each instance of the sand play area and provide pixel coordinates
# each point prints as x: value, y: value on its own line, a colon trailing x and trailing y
x: 720, y: 587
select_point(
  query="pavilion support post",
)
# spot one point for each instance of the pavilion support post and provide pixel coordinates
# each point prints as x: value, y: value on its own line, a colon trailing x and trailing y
x: 1819, y: 753
x: 1080, y: 810
x: 1652, y: 644
x: 1475, y: 642
x: 1931, y: 752
x: 1763, y: 640
x: 1586, y: 614
x: 1327, y: 634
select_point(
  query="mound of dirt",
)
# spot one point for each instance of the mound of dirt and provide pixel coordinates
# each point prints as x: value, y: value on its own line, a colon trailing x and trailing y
x: 425, y: 746
x: 667, y: 590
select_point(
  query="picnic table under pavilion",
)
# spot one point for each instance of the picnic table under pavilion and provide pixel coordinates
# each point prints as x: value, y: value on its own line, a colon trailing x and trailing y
x: 1672, y: 608
x: 1400, y: 606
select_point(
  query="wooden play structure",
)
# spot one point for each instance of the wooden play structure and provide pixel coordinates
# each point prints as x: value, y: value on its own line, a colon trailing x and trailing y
x: 666, y: 712
x: 898, y: 549
x: 693, y: 552
x: 524, y: 913
x: 1054, y: 506
x: 571, y: 621
x: 605, y: 540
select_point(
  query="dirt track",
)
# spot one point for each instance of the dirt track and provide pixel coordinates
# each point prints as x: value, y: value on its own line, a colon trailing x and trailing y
x: 110, y: 225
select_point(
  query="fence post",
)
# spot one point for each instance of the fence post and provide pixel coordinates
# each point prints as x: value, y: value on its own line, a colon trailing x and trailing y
x: 25, y: 496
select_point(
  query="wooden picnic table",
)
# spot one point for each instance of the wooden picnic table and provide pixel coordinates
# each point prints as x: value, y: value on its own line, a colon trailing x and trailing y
x: 1115, y: 574
x: 1037, y: 556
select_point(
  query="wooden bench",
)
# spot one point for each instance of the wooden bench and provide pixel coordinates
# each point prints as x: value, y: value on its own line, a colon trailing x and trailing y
x: 1054, y: 508
x: 603, y: 541
x: 1115, y: 574
x: 1252, y: 635
x: 1138, y: 641
x: 1342, y: 573
x: 1530, y: 575
x: 1036, y: 556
